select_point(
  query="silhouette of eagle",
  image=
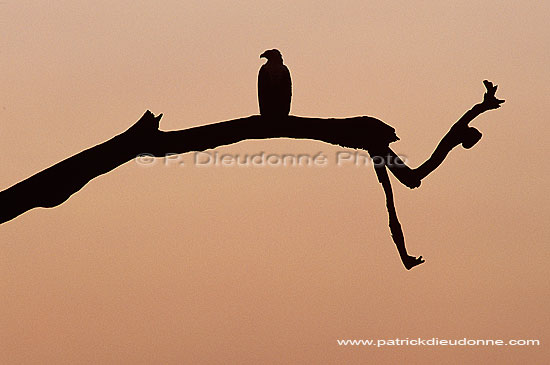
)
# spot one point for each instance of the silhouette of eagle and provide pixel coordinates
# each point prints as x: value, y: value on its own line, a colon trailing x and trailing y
x: 274, y: 85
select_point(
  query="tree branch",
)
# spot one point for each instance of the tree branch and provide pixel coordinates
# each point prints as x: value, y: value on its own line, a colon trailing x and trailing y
x: 57, y: 183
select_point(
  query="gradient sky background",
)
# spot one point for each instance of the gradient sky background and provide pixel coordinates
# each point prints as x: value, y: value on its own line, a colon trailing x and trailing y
x: 166, y: 264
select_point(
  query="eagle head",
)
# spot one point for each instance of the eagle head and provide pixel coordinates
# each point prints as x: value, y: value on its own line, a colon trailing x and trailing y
x: 272, y: 55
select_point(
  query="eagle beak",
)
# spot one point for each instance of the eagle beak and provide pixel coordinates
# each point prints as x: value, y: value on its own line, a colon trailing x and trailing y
x: 263, y: 55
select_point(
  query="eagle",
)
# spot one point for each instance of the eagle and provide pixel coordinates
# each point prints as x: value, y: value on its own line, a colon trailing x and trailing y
x: 274, y: 85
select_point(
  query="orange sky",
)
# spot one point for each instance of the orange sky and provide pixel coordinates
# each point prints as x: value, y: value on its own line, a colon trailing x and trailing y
x: 167, y: 264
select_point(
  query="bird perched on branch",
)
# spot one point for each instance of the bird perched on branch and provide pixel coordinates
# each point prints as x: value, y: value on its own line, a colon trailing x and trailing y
x: 274, y: 85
